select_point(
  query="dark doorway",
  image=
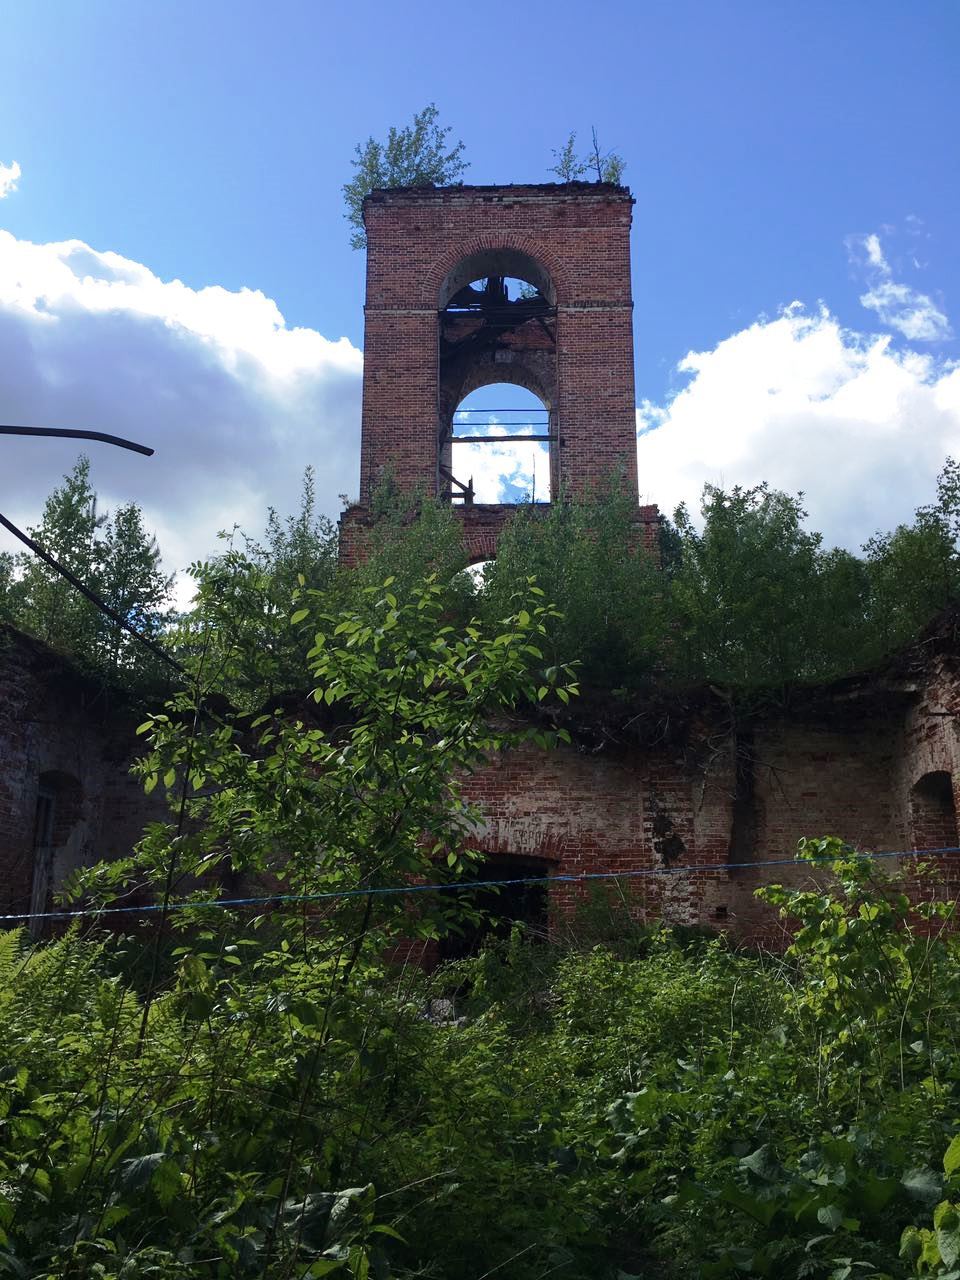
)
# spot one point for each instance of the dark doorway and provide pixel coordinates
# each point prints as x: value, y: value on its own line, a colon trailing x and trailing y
x: 487, y: 912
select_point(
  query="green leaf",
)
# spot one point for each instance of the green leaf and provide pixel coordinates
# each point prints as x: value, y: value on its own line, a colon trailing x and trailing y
x: 763, y: 1163
x: 830, y: 1215
x: 299, y: 616
x: 139, y: 1171
x: 923, y: 1184
x: 951, y: 1158
x: 166, y: 1181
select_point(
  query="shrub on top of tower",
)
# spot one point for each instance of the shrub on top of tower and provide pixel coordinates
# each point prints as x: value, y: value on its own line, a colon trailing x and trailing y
x: 595, y: 165
x: 416, y: 156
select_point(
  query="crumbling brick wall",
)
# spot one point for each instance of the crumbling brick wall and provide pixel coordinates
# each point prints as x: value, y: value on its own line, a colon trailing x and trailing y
x: 69, y: 736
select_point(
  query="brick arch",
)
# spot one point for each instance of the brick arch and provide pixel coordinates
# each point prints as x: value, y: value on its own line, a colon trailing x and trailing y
x: 494, y: 242
x: 518, y: 373
x: 933, y: 812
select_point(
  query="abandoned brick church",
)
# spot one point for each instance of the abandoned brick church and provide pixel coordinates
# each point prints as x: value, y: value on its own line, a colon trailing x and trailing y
x: 873, y: 758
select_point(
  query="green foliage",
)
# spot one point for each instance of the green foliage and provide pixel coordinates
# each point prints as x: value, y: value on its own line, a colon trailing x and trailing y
x: 739, y: 596
x: 602, y: 166
x: 114, y: 556
x: 237, y: 636
x: 751, y: 589
x: 280, y: 1106
x: 589, y: 559
x: 415, y: 536
x: 936, y: 1252
x: 418, y: 155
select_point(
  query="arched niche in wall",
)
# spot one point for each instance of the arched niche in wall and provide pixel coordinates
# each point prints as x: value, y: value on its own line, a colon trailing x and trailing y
x: 933, y: 813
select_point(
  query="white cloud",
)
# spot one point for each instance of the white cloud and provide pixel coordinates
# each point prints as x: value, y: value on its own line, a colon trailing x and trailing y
x: 234, y: 401
x: 861, y: 428
x: 913, y: 314
x: 503, y: 472
x: 9, y: 177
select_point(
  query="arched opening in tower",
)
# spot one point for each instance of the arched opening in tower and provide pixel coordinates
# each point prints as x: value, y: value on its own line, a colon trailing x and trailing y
x: 497, y: 431
x: 499, y: 445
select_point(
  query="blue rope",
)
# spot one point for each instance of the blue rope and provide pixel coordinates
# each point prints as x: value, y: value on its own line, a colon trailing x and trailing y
x: 466, y: 885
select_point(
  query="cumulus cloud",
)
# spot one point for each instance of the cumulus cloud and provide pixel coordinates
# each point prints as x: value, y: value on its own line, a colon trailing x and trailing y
x: 860, y: 427
x: 9, y: 177
x: 235, y: 402
x: 913, y: 314
x: 507, y: 472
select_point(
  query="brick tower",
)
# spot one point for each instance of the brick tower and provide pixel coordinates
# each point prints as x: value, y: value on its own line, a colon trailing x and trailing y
x: 440, y: 323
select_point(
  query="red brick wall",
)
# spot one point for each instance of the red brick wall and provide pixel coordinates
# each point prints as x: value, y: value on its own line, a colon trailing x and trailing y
x: 581, y: 234
x: 841, y: 767
x: 482, y: 525
x: 638, y: 810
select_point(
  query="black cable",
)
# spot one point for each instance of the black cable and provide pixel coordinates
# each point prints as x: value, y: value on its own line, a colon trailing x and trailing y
x: 69, y: 433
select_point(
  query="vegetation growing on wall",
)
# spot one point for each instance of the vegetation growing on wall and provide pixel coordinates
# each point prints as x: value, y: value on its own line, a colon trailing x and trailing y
x: 743, y: 597
x: 418, y: 155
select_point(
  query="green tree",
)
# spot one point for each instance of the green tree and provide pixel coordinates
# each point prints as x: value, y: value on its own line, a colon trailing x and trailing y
x: 589, y: 557
x: 569, y: 166
x: 42, y: 602
x: 416, y: 156
x: 239, y: 618
x: 914, y: 571
x: 115, y: 557
x: 745, y: 592
x: 136, y: 587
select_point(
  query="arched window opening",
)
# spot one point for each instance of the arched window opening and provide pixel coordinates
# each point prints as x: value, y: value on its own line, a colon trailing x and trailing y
x: 499, y: 447
x: 497, y: 264
x: 933, y: 812
x: 497, y: 333
x: 58, y: 809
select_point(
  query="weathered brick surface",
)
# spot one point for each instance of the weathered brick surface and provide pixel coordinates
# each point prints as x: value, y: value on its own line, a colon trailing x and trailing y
x: 573, y: 241
x: 841, y: 765
x: 847, y: 762
x: 69, y: 732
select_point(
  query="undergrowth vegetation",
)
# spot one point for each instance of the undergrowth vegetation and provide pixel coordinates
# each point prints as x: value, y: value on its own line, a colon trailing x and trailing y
x: 658, y: 1107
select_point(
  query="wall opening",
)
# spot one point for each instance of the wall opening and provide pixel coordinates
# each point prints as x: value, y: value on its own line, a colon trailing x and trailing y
x: 933, y: 813
x: 499, y: 909
x: 502, y: 264
x: 500, y: 446
x: 497, y: 387
x: 58, y: 809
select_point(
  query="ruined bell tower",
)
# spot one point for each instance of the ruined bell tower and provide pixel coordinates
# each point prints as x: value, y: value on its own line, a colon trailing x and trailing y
x: 471, y: 286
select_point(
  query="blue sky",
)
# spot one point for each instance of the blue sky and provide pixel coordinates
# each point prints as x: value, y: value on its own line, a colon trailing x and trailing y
x: 778, y: 153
